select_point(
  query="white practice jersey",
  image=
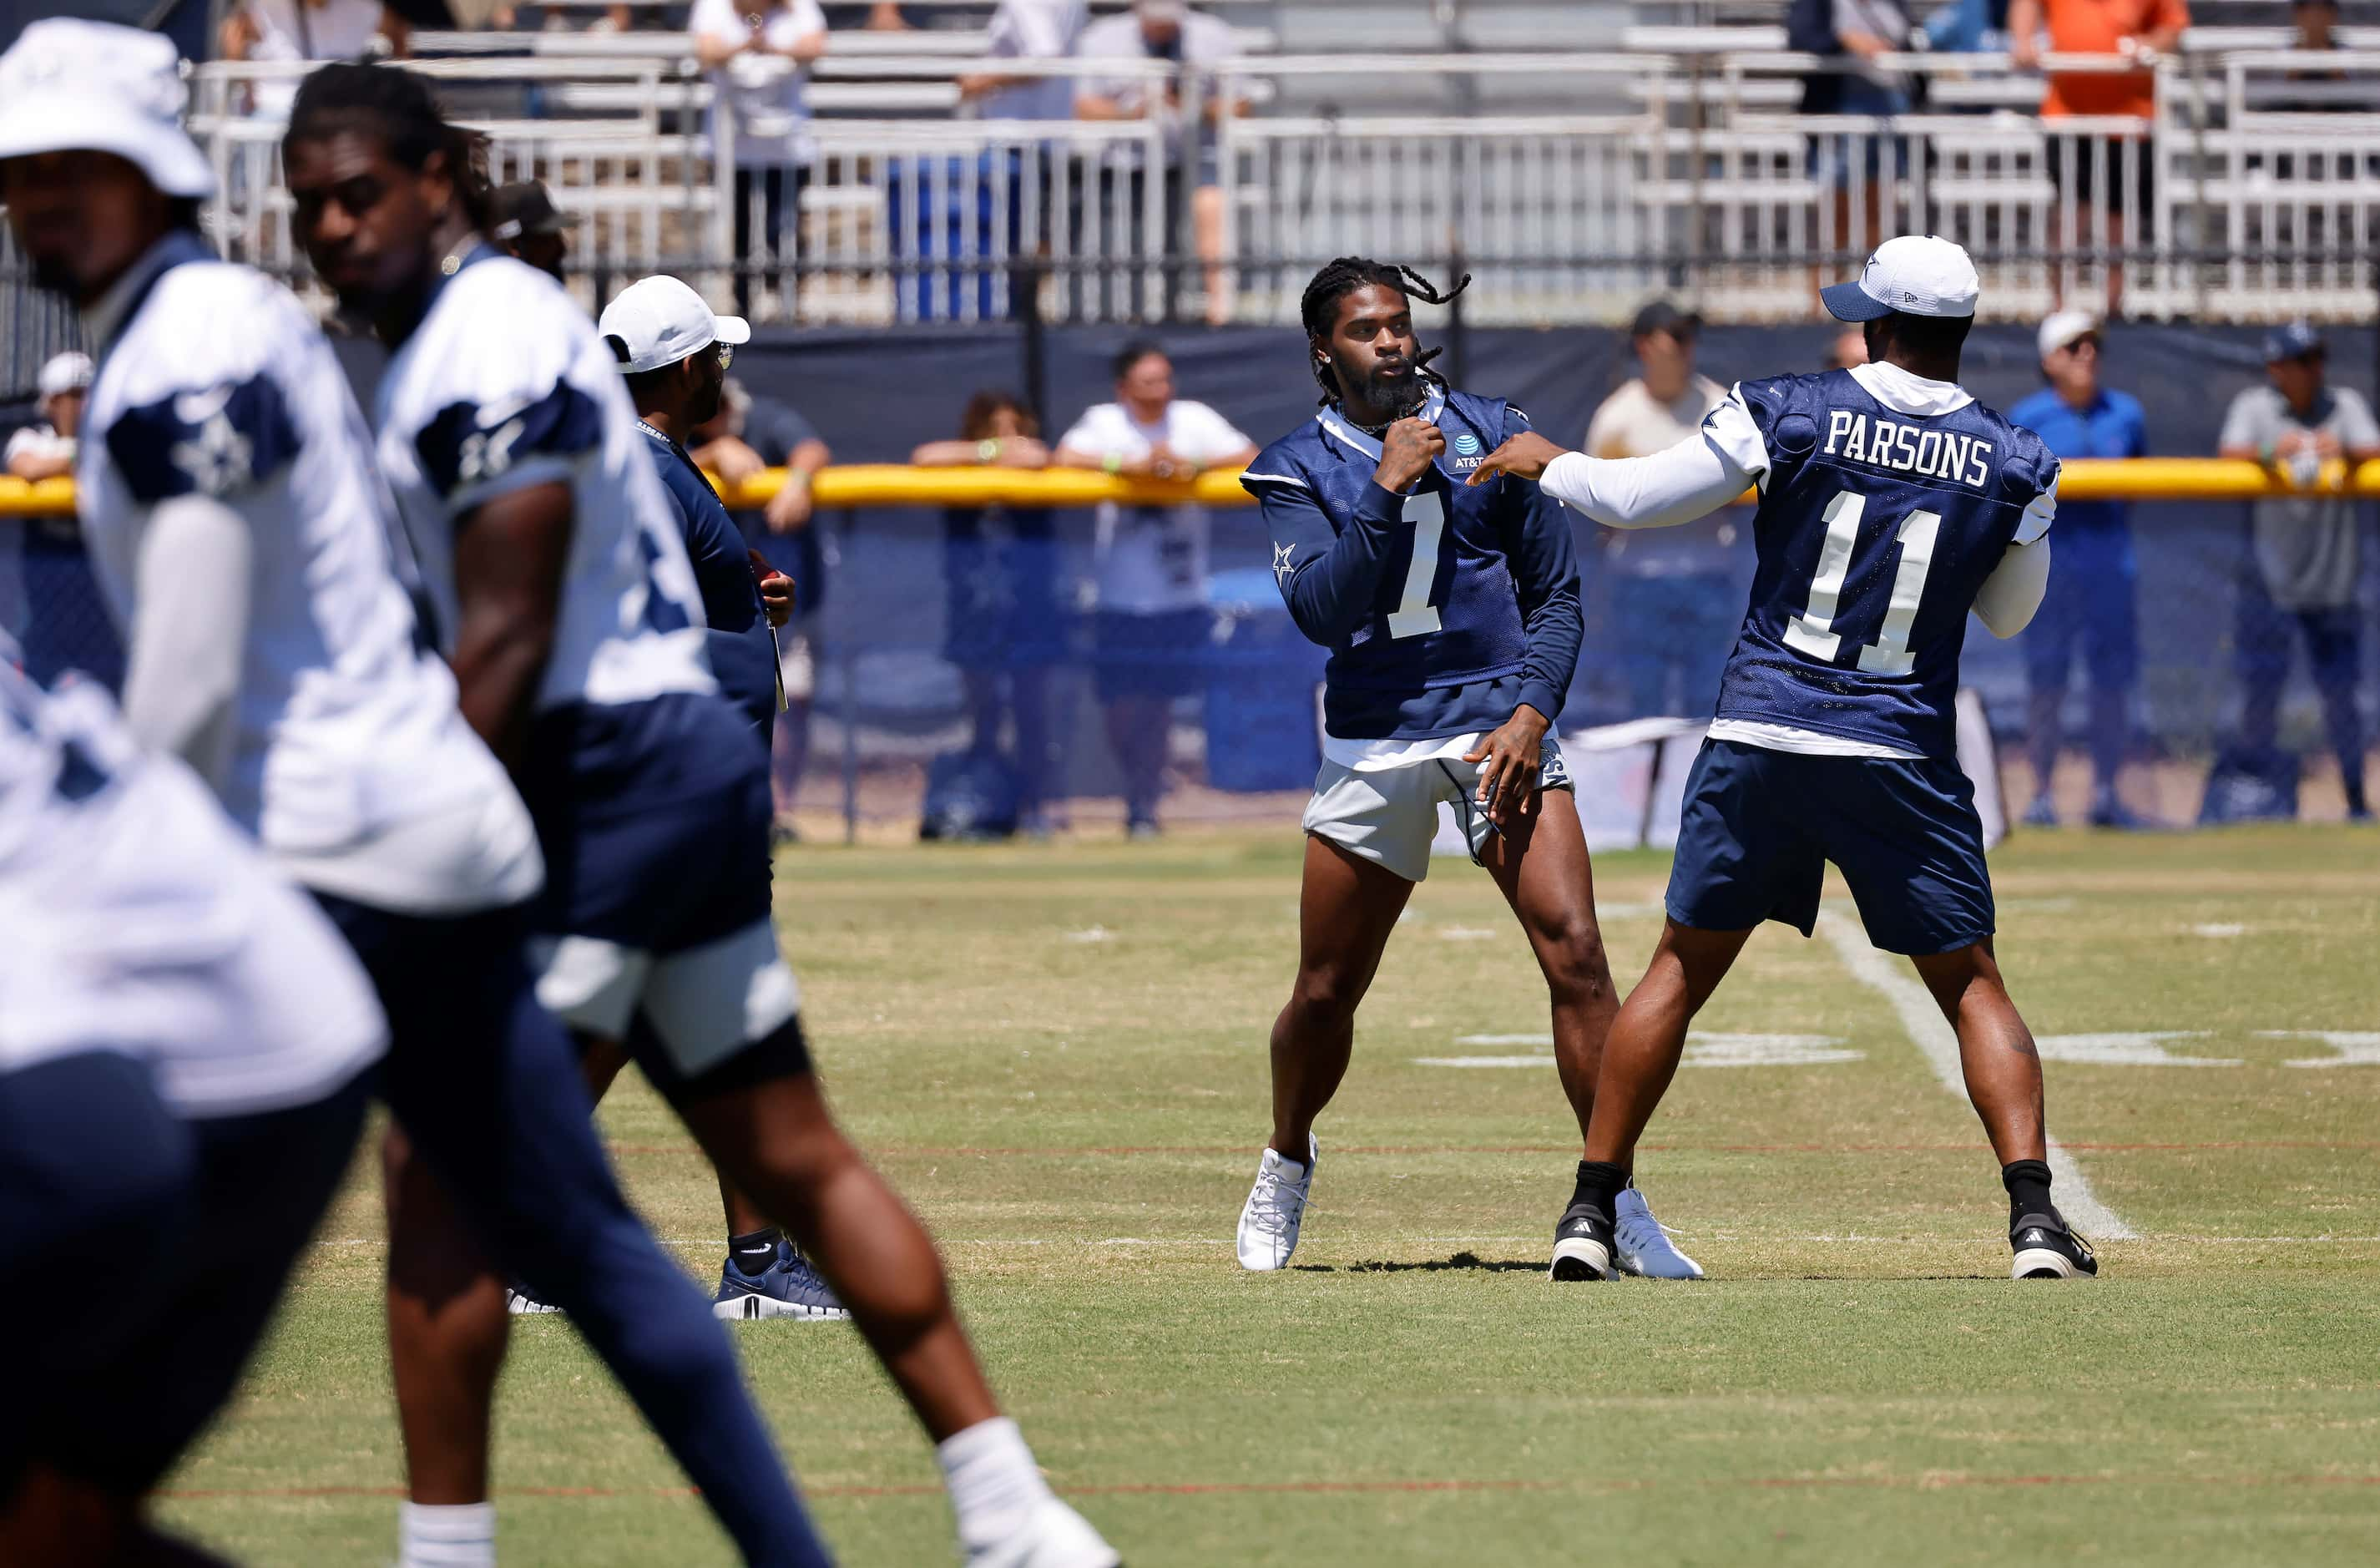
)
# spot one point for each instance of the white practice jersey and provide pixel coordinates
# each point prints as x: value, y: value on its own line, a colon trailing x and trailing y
x: 504, y: 384
x: 140, y: 921
x: 351, y: 763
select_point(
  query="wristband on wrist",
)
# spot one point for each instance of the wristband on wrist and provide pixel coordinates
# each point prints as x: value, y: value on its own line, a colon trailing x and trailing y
x: 798, y: 477
x: 1112, y: 463
x: 986, y: 450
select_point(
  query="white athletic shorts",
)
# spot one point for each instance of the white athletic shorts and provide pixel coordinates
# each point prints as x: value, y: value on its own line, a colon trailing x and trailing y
x: 1390, y: 815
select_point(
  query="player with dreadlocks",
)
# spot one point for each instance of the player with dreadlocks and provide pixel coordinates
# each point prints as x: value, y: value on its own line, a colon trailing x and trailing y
x: 1452, y: 615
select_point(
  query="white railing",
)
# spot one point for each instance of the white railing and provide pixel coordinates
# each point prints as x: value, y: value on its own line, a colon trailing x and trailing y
x: 1695, y: 176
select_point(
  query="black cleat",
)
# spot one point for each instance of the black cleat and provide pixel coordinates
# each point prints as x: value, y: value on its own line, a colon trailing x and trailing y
x: 2046, y: 1249
x: 1583, y: 1246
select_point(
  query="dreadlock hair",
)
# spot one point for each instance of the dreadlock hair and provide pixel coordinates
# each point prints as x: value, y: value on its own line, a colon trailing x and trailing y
x: 1319, y: 307
x: 399, y: 108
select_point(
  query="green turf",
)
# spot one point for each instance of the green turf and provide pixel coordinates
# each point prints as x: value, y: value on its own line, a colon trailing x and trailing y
x: 1058, y: 1055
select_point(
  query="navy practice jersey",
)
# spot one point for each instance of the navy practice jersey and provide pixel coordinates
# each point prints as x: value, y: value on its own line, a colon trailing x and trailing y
x: 743, y: 654
x: 1444, y: 608
x: 1876, y: 529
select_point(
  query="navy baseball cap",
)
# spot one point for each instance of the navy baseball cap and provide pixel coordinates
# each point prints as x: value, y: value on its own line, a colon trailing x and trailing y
x: 2295, y: 341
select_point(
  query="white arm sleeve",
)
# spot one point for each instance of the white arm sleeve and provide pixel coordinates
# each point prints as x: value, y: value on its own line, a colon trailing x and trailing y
x: 1690, y: 479
x: 2012, y: 593
x: 181, y: 687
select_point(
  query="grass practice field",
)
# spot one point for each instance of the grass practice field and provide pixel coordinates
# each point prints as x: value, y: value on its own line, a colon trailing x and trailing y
x: 1058, y: 1054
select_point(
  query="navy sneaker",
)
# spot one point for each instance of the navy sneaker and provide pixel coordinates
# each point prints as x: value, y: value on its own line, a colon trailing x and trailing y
x: 788, y: 1287
x: 2046, y: 1249
x: 1584, y: 1245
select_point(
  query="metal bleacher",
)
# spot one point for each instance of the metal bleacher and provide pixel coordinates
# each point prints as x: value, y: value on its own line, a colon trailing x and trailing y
x: 1575, y: 153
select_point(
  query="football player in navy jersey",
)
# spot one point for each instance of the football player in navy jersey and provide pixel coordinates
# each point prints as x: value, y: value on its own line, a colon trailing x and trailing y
x: 569, y: 608
x: 1452, y: 614
x: 1891, y: 504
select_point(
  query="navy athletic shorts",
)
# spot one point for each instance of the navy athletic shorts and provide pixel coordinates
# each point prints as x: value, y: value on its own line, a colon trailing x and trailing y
x: 1759, y: 826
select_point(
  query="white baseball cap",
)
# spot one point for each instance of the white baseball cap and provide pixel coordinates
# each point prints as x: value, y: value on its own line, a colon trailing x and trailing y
x: 1917, y: 274
x: 65, y: 373
x: 661, y: 321
x: 2063, y: 327
x: 67, y: 85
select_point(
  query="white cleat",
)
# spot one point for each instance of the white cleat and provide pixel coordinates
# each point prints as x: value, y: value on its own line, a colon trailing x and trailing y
x: 1054, y: 1536
x: 1641, y: 1244
x: 1276, y: 1207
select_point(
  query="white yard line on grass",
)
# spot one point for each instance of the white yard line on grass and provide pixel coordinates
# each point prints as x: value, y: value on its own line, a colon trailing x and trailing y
x: 1926, y: 1029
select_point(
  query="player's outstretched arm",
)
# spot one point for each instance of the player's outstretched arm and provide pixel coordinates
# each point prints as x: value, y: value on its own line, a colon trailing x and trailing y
x: 509, y: 554
x: 1683, y: 484
x: 189, y: 635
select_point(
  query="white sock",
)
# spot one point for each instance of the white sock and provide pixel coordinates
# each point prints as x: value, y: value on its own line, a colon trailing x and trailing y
x: 454, y: 1535
x: 993, y: 1482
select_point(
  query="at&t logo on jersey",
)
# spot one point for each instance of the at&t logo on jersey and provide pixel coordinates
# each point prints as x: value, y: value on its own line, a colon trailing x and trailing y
x: 1466, y: 451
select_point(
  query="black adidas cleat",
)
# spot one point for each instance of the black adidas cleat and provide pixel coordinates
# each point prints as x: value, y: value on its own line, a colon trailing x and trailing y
x: 2046, y: 1249
x: 1583, y: 1246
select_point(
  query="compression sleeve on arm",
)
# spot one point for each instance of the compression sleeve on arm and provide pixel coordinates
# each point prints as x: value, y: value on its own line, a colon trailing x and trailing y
x: 2012, y: 593
x: 181, y: 686
x: 1692, y: 480
x: 1329, y: 580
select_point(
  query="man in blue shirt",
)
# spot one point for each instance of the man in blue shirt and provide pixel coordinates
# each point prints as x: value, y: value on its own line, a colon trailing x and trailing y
x: 2091, y: 601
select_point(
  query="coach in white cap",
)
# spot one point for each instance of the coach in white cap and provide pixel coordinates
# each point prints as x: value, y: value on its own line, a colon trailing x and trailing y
x: 659, y: 321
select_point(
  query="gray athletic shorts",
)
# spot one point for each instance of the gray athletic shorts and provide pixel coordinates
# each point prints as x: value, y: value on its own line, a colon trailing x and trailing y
x: 1389, y: 816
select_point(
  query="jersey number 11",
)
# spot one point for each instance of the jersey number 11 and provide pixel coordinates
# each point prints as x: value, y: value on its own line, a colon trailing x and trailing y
x: 1813, y: 631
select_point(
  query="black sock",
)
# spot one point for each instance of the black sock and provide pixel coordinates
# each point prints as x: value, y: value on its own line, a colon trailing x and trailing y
x: 2355, y: 797
x: 1597, y: 1181
x: 2028, y: 1188
x: 754, y: 1253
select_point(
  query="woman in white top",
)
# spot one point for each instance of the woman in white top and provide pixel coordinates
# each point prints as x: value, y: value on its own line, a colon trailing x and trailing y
x: 307, y: 29
x: 1152, y: 618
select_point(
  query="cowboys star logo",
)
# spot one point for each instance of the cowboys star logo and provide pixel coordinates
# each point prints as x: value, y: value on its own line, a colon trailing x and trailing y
x: 217, y: 459
x: 1280, y: 566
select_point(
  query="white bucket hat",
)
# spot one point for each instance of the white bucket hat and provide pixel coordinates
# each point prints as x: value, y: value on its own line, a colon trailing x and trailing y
x: 67, y: 85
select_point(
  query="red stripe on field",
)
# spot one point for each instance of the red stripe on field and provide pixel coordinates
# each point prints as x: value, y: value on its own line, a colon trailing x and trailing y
x: 1126, y: 1151
x: 1239, y: 1488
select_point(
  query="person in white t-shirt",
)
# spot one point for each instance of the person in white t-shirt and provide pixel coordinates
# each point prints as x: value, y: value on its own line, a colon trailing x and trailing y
x: 757, y: 60
x: 1672, y: 591
x: 1151, y: 561
x: 46, y: 450
x: 291, y: 31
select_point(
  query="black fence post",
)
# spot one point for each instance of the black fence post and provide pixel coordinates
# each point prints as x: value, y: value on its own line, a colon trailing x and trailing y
x: 1035, y: 345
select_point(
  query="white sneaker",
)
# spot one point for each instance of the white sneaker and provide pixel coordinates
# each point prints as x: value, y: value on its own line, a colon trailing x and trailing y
x: 1276, y: 1207
x: 1643, y: 1248
x: 1054, y: 1536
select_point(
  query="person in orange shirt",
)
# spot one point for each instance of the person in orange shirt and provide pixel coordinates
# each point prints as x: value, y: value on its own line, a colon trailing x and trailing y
x: 2114, y: 176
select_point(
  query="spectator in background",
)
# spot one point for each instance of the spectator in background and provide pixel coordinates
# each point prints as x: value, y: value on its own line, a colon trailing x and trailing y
x: 758, y: 62
x: 1170, y: 31
x: 1024, y: 30
x: 2141, y: 28
x: 2317, y: 22
x: 1153, y: 622
x: 526, y: 225
x: 291, y: 31
x: 1006, y: 626
x: 1968, y: 26
x: 2091, y: 603
x: 1672, y: 592
x: 1849, y: 348
x: 1864, y: 30
x: 2302, y: 559
x: 748, y: 435
x: 45, y: 450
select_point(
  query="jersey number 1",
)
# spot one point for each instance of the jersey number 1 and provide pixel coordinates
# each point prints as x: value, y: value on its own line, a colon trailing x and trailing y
x: 1813, y: 631
x: 1414, y: 614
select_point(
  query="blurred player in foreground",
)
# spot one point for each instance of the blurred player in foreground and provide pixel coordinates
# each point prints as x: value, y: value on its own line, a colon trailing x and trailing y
x: 1892, y: 503
x: 185, y: 1046
x: 571, y: 616
x: 1452, y: 614
x: 244, y: 541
